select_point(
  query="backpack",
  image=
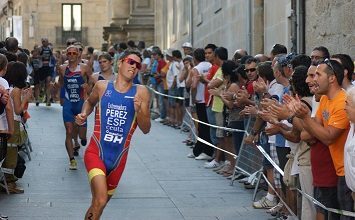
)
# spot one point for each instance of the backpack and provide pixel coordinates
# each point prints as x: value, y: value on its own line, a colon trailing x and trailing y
x: 20, y: 167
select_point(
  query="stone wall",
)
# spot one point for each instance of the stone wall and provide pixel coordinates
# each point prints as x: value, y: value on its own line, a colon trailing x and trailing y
x: 331, y: 23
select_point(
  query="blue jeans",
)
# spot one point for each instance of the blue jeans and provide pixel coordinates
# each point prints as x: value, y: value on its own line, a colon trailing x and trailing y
x: 162, y: 107
x: 212, y: 120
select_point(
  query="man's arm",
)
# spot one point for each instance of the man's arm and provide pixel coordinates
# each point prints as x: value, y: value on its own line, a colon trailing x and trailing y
x: 141, y: 106
x: 90, y: 102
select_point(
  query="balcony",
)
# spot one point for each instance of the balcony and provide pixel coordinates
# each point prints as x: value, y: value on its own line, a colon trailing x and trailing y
x: 62, y: 36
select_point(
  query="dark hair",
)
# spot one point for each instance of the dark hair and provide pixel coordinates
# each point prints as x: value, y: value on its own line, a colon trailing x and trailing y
x: 11, y: 56
x: 126, y: 53
x: 221, y: 53
x: 156, y: 50
x: 11, y: 44
x: 228, y: 68
x: 141, y: 44
x: 241, y: 71
x: 3, y: 62
x: 106, y: 56
x: 298, y: 81
x: 71, y: 41
x: 146, y: 53
x: 213, y: 47
x: 199, y: 54
x: 22, y: 57
x: 337, y: 70
x: 187, y: 58
x: 17, y: 75
x: 131, y: 43
x: 123, y: 46
x: 251, y: 60
x: 245, y: 58
x: 91, y: 50
x: 278, y: 49
x: 265, y: 71
x: 347, y: 63
x: 177, y: 54
x: 2, y: 44
x: 324, y: 50
x: 301, y: 60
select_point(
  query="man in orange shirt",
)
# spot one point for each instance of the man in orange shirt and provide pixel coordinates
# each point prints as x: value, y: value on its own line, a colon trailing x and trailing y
x: 331, y: 125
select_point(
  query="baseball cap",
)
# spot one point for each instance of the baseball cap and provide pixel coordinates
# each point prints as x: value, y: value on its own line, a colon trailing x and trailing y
x: 187, y: 44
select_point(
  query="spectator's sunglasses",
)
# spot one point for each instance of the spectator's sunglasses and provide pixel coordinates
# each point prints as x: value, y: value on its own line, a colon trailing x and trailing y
x: 250, y: 70
x: 328, y: 63
x: 132, y: 62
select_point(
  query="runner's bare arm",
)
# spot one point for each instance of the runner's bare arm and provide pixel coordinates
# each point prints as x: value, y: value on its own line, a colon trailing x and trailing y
x: 141, y: 106
x: 90, y: 102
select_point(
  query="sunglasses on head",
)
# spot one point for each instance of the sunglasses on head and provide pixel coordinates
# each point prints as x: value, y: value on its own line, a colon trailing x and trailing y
x: 328, y: 63
x: 250, y: 70
x: 132, y: 62
x: 72, y: 53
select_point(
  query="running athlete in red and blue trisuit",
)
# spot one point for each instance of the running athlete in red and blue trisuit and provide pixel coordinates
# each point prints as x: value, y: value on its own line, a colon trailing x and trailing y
x: 122, y: 106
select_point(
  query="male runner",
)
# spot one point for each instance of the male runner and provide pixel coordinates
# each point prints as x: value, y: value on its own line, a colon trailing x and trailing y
x: 122, y: 106
x: 72, y: 77
x: 44, y: 72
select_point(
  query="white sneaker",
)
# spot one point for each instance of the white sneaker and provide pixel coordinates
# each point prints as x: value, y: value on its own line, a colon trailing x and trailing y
x: 158, y: 119
x: 264, y: 203
x: 274, y: 210
x: 203, y: 156
x: 191, y: 155
x: 211, y: 165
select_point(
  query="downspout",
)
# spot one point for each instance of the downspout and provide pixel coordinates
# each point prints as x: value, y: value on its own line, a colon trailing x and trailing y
x: 191, y: 24
x: 294, y: 26
x: 301, y: 15
x: 249, y: 28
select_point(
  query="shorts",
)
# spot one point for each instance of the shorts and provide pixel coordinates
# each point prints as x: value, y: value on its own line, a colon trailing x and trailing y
x: 172, y: 92
x: 41, y: 74
x: 345, y: 200
x: 237, y: 136
x: 328, y: 197
x: 96, y: 166
x: 180, y: 93
x: 220, y: 123
x: 71, y: 109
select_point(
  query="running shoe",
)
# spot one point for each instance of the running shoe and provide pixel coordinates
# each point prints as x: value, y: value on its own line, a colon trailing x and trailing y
x: 83, y: 142
x: 73, y: 165
x: 264, y: 203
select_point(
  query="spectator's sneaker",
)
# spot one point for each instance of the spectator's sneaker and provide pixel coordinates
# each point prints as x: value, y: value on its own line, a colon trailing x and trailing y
x: 73, y: 165
x: 37, y: 103
x: 15, y: 189
x: 264, y: 203
x: 191, y: 155
x: 158, y: 119
x: 48, y: 104
x: 3, y: 217
x: 203, y: 156
x: 221, y: 166
x: 83, y: 142
x: 211, y: 165
x: 274, y: 210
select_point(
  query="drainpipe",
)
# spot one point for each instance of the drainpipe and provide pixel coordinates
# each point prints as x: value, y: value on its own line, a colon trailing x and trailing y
x: 294, y: 26
x: 191, y: 24
x: 249, y: 28
x: 301, y: 15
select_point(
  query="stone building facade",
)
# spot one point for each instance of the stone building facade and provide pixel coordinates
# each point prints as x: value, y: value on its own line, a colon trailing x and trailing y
x: 256, y: 25
x: 93, y: 22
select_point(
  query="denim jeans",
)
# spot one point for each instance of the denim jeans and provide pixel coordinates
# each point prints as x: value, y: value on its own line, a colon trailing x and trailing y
x: 162, y: 107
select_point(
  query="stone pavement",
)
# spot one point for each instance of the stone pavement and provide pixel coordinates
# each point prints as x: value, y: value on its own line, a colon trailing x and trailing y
x: 159, y: 182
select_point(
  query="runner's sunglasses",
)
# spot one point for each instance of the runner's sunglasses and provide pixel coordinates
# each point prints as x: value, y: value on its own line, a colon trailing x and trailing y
x: 72, y: 53
x: 132, y: 62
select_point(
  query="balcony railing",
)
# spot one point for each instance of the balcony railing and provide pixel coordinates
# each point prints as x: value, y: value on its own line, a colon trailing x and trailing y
x: 62, y: 36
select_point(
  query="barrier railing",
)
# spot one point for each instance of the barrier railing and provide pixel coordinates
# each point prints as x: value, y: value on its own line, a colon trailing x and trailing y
x: 252, y: 165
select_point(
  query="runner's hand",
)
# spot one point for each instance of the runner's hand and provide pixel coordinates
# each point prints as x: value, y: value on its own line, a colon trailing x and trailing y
x: 80, y: 118
x: 137, y: 103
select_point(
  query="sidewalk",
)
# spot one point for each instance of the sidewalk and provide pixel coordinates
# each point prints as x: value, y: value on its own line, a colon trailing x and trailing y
x: 159, y: 182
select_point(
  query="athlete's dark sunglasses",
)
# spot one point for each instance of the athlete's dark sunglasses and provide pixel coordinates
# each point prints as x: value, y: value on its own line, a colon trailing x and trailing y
x: 132, y: 62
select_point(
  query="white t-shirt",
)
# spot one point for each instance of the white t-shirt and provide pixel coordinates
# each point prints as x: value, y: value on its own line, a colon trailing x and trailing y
x: 172, y: 73
x: 349, y: 158
x: 147, y: 62
x: 180, y: 69
x: 202, y: 68
x: 3, y: 120
x: 315, y: 106
x: 275, y: 89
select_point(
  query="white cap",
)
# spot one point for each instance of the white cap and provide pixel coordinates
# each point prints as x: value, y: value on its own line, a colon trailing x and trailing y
x: 187, y: 44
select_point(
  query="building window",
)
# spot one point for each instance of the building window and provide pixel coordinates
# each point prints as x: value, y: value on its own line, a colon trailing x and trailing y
x: 71, y: 17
